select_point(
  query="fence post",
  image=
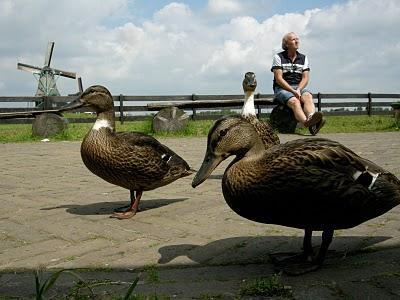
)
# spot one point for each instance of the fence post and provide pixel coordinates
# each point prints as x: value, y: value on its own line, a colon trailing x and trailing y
x: 121, y: 108
x: 193, y: 109
x: 47, y: 103
x: 319, y: 101
x: 258, y: 106
x: 369, y: 105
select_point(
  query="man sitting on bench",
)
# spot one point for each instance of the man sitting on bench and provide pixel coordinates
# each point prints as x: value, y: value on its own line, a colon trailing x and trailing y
x: 291, y: 74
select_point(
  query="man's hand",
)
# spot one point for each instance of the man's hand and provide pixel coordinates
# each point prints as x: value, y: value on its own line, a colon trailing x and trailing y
x: 297, y: 93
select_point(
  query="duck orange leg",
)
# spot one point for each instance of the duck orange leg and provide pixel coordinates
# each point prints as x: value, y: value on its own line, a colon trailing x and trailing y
x: 132, y: 208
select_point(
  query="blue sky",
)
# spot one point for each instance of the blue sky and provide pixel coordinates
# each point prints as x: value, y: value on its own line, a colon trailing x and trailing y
x: 145, y: 9
x: 204, y: 47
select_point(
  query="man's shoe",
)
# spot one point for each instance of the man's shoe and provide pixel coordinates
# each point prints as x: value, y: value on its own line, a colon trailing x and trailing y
x: 313, y: 119
x: 314, y: 129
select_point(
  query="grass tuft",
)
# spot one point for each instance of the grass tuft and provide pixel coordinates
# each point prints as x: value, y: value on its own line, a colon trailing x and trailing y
x: 43, y: 286
x: 270, y: 287
x: 152, y: 273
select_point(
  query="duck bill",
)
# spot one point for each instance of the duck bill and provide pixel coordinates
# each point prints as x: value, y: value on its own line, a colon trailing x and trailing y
x: 74, y: 104
x: 210, y: 162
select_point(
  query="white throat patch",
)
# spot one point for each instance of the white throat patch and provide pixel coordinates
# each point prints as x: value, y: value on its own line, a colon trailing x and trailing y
x: 248, y: 107
x: 101, y: 123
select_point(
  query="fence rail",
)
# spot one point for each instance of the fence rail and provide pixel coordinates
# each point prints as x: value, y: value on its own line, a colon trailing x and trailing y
x: 193, y: 102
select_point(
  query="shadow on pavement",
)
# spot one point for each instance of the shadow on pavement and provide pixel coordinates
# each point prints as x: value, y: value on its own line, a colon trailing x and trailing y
x: 249, y: 250
x: 106, y: 208
x: 220, y: 268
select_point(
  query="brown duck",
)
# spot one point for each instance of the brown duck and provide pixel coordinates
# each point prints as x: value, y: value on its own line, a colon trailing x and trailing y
x: 132, y: 160
x: 313, y: 184
x: 264, y: 129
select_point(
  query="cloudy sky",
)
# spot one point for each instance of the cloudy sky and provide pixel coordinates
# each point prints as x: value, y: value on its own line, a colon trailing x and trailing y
x: 141, y: 47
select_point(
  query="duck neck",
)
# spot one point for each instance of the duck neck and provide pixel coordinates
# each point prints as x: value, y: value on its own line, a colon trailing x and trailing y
x: 248, y: 107
x: 257, y: 148
x: 251, y: 151
x: 105, y: 119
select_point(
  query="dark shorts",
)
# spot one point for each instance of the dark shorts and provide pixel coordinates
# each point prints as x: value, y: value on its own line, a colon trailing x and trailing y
x: 282, y: 96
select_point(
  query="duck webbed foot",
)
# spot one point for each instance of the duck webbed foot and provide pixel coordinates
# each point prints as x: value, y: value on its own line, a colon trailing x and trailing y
x: 124, y: 208
x: 295, y: 264
x: 300, y: 263
x: 128, y: 211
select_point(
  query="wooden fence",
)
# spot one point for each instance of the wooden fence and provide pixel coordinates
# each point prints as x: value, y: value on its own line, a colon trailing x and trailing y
x: 200, y: 106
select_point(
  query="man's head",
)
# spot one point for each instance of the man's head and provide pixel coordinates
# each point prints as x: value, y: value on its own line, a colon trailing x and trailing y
x: 290, y: 41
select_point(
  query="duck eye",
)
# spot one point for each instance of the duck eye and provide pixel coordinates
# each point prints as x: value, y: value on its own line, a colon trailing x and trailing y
x: 223, y: 132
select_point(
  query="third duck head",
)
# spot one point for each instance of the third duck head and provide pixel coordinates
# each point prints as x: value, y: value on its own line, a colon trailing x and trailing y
x: 249, y: 82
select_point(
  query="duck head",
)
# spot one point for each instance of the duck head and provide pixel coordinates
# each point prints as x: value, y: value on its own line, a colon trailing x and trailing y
x: 96, y: 97
x: 231, y: 135
x: 249, y: 82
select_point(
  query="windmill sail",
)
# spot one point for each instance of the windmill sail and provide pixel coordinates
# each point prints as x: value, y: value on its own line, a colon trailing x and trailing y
x: 29, y: 68
x: 49, y: 54
x: 64, y: 73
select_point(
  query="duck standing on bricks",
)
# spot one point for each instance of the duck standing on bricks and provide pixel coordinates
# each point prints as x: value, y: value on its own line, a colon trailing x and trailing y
x: 312, y: 184
x: 132, y: 160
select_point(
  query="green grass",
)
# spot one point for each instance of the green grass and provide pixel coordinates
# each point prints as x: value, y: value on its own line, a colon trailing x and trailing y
x: 152, y: 273
x: 269, y: 286
x: 199, y: 128
x: 351, y: 124
x: 42, y: 286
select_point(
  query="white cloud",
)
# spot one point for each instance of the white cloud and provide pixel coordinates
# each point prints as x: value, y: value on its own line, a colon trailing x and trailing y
x: 173, y: 14
x: 351, y: 47
x: 6, y: 8
x: 224, y: 6
x: 231, y: 55
x: 245, y: 28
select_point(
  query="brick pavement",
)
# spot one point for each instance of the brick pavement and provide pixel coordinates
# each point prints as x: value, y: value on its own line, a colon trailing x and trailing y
x: 55, y: 214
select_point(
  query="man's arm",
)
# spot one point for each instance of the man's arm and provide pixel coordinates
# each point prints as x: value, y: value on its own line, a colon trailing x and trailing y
x: 304, y: 80
x: 283, y: 83
x: 305, y: 75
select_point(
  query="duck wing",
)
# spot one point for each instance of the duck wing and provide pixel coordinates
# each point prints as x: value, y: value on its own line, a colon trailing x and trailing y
x: 167, y: 165
x: 163, y: 158
x: 321, y: 153
x: 140, y: 139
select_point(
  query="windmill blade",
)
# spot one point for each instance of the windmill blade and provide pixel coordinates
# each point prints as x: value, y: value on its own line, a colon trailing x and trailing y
x: 64, y: 73
x: 49, y: 54
x: 80, y: 86
x: 29, y: 68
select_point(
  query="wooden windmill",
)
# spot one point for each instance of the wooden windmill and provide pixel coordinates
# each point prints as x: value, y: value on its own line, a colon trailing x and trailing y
x: 46, y: 75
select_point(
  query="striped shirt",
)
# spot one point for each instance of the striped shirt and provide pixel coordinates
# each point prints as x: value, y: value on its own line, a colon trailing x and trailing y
x: 292, y: 70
